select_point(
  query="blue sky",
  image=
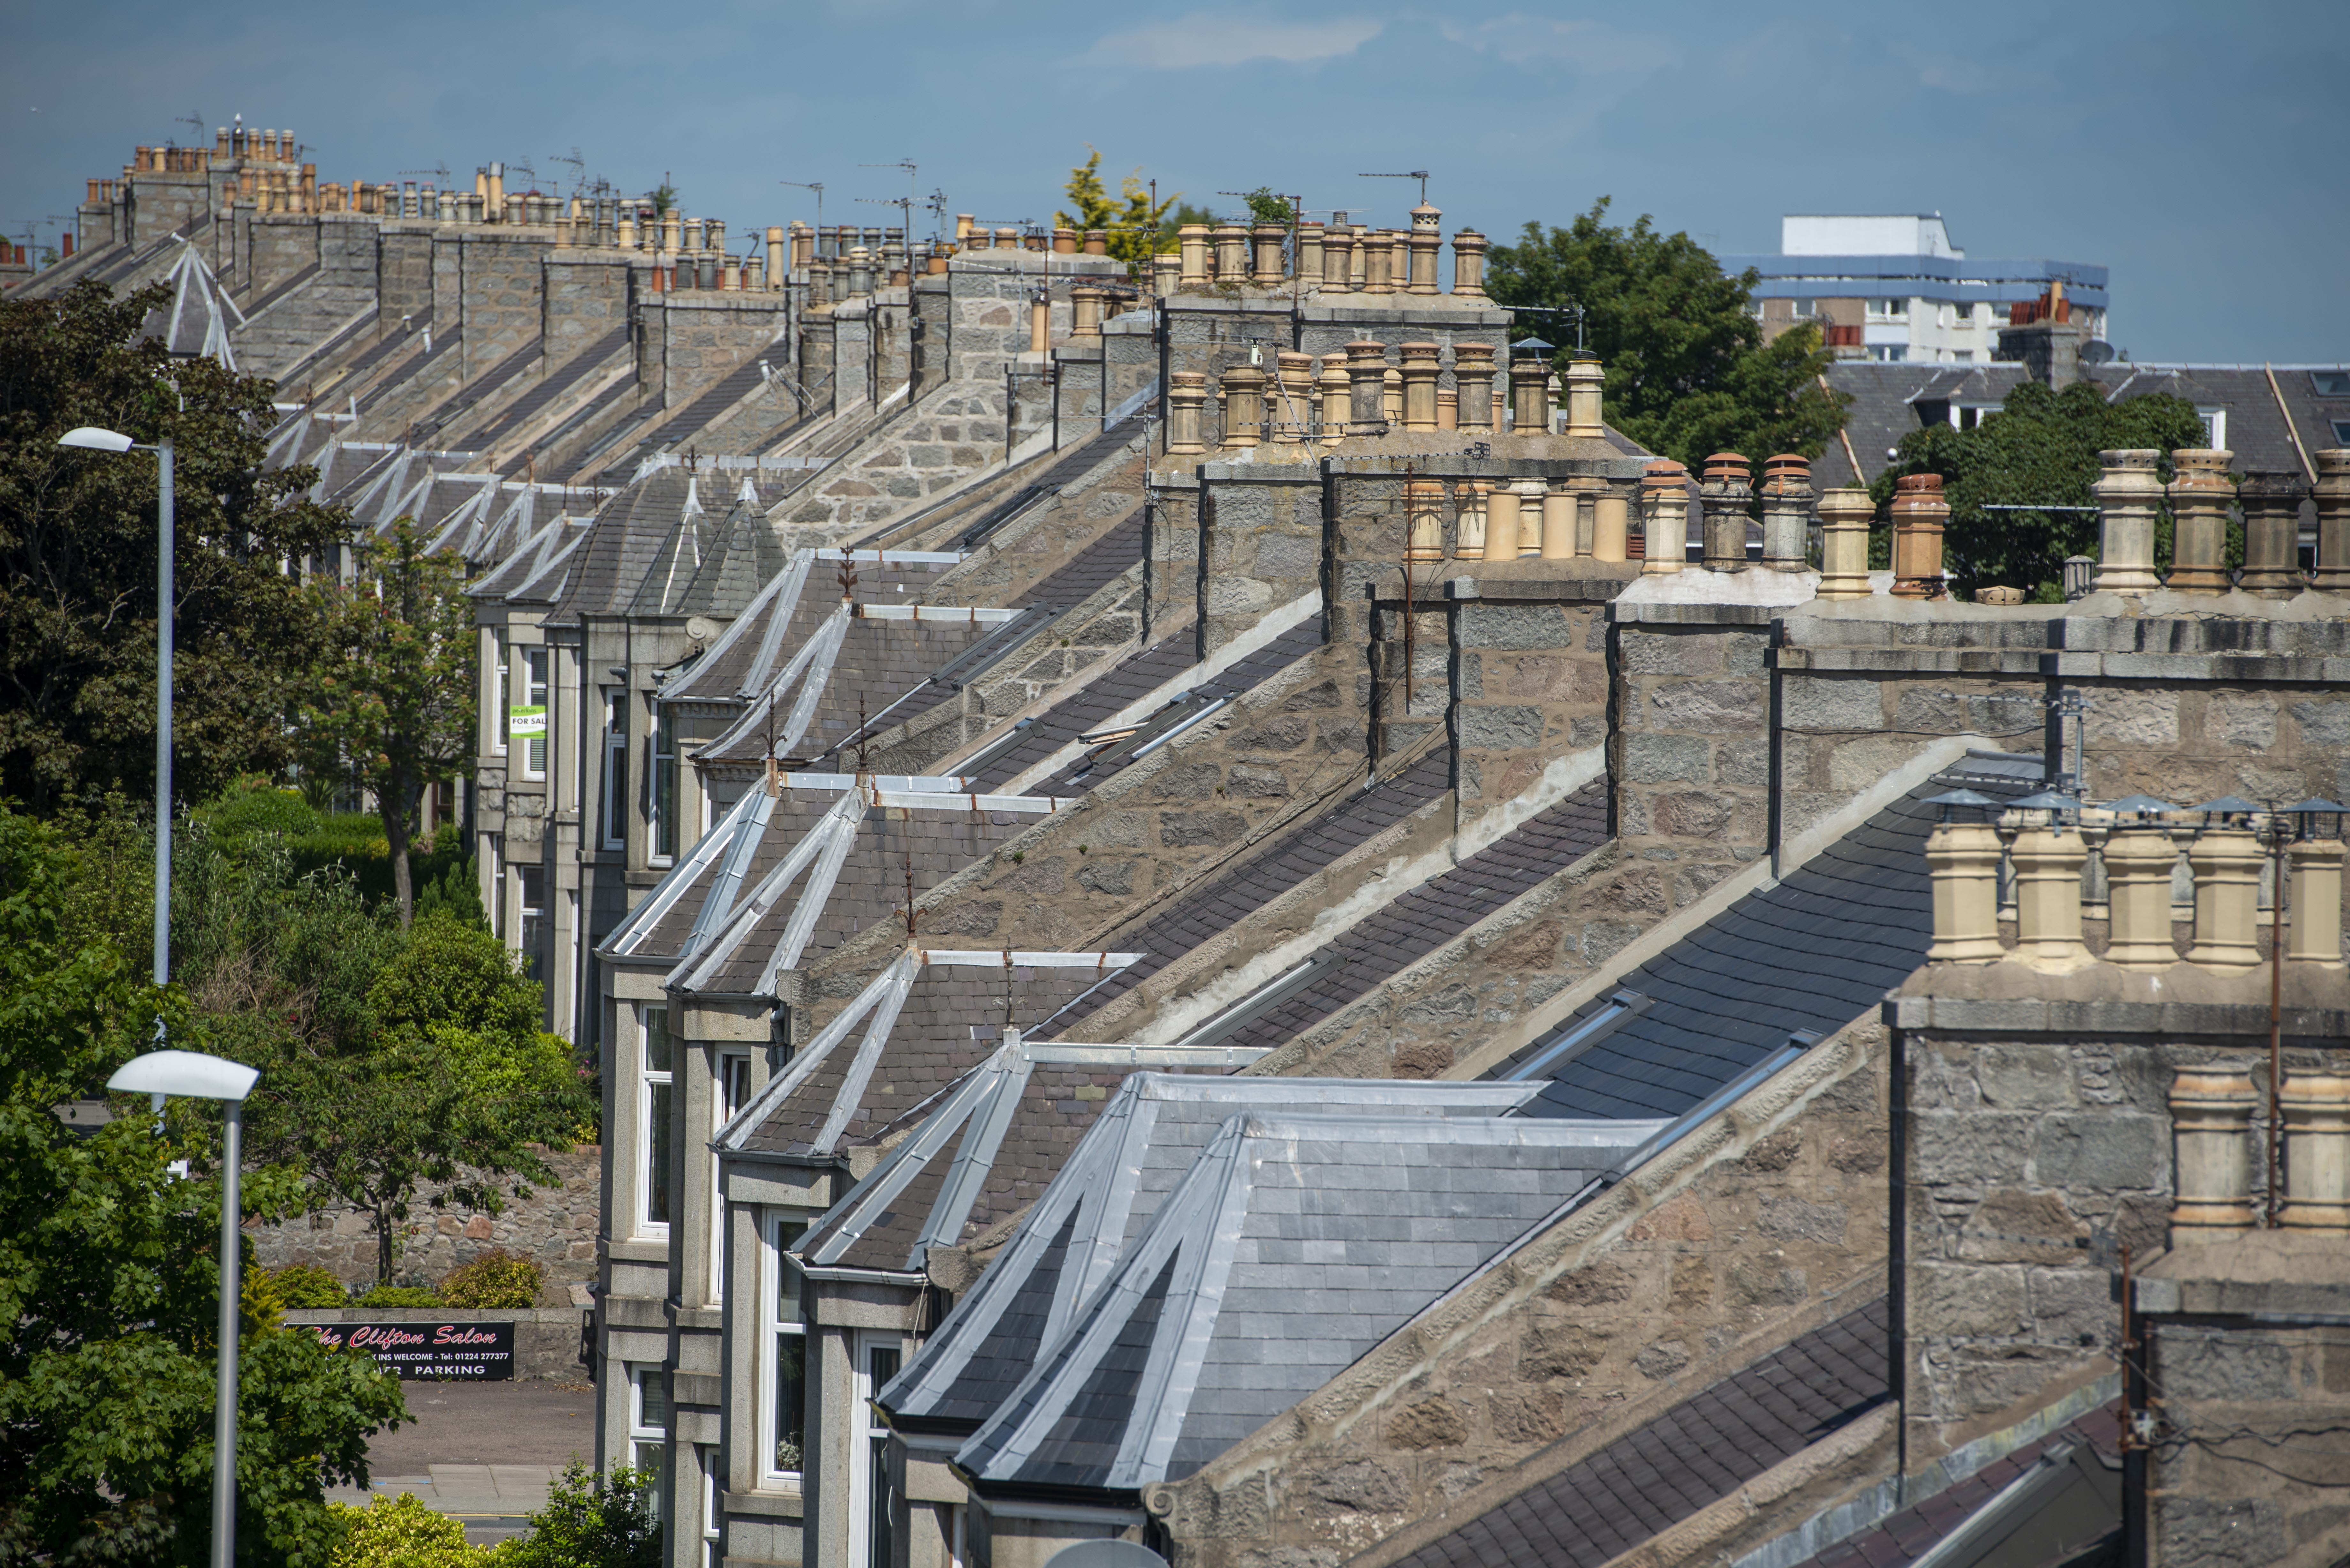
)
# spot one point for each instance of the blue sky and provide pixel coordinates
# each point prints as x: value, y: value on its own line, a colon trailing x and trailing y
x: 2197, y: 151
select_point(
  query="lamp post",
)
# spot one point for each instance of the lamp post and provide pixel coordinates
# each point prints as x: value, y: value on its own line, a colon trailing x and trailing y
x: 92, y: 438
x: 197, y: 1076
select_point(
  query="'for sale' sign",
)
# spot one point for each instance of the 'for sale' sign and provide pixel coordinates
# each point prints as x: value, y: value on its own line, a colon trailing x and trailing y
x: 483, y: 1352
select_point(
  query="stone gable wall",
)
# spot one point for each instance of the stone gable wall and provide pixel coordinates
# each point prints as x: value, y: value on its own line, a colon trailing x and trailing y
x: 1764, y: 1221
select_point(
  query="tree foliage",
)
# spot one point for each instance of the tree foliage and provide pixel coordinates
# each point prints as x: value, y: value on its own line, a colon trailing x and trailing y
x: 391, y: 1063
x: 78, y: 559
x: 392, y: 697
x: 2040, y: 448
x: 110, y: 1275
x: 1131, y: 222
x: 1688, y: 373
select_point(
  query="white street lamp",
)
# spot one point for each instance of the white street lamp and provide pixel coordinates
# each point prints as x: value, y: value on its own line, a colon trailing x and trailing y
x: 198, y: 1077
x: 92, y: 438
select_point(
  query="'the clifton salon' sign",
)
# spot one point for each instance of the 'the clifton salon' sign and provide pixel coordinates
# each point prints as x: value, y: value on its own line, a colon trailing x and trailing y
x: 482, y: 1351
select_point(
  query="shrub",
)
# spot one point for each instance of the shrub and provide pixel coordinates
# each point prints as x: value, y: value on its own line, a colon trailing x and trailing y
x: 496, y: 1279
x: 400, y: 1296
x: 261, y: 809
x: 591, y: 1522
x: 396, y: 1530
x: 301, y: 1286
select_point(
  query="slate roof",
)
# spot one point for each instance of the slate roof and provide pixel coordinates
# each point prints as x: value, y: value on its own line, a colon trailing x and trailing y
x: 1891, y: 400
x: 1147, y: 1135
x: 1290, y: 1246
x: 1126, y: 681
x: 951, y: 1022
x: 1811, y: 952
x: 552, y: 385
x: 628, y: 532
x: 1407, y: 929
x: 1694, y: 1454
x: 1217, y: 906
x: 787, y: 610
x: 1911, y: 1534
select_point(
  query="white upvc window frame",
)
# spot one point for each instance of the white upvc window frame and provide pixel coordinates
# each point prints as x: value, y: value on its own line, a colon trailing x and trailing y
x: 780, y: 1232
x: 731, y: 1091
x: 663, y: 810
x: 644, y: 1431
x: 652, y: 1118
x: 535, y: 686
x: 705, y: 1457
x: 614, y: 782
x: 503, y: 657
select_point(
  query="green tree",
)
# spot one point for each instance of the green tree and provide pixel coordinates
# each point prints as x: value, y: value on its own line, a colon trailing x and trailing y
x: 109, y: 1279
x: 1131, y: 222
x: 392, y: 697
x: 1688, y: 373
x: 77, y: 557
x: 435, y: 1072
x: 592, y: 1522
x: 2040, y: 448
x: 1264, y: 207
x: 1171, y: 224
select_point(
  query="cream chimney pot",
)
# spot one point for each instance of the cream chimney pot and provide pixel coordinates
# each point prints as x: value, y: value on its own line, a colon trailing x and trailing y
x: 1469, y: 531
x: 1844, y: 514
x: 1664, y: 516
x: 2333, y: 521
x: 2138, y: 865
x: 2314, y: 868
x: 2128, y: 497
x: 1503, y: 527
x: 1419, y: 376
x: 2227, y: 865
x: 2211, y: 1126
x: 1560, y: 507
x: 1367, y: 365
x: 1962, y: 862
x: 1336, y: 398
x: 2316, y: 1108
x: 2199, y: 494
x: 2048, y: 862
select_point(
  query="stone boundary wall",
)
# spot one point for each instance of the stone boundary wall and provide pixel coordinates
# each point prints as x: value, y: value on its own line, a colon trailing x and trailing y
x: 555, y: 1227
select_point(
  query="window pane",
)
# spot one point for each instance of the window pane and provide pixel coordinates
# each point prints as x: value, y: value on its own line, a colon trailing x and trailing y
x: 656, y: 1048
x: 791, y: 1400
x: 787, y: 1277
x: 652, y: 1400
x: 657, y: 1153
x: 664, y: 788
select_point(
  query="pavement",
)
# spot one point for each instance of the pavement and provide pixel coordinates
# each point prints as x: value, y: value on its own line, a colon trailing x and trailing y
x: 484, y: 1452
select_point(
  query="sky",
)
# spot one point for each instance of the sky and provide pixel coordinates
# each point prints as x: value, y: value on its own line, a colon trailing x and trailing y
x: 2201, y: 152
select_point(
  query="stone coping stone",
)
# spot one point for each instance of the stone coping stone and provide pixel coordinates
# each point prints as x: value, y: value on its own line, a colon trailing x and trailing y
x: 2304, y: 1027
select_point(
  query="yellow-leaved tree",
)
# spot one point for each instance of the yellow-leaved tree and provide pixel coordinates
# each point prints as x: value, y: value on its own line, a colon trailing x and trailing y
x: 1131, y: 222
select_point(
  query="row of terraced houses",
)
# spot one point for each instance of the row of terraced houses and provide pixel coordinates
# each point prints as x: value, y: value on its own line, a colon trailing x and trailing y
x: 1221, y: 928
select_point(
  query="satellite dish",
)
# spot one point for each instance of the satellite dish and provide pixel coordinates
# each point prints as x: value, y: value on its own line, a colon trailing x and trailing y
x: 701, y: 627
x: 1104, y: 1554
x: 2096, y: 351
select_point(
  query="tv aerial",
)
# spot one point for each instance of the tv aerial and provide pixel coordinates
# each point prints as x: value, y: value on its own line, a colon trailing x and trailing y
x: 1420, y: 174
